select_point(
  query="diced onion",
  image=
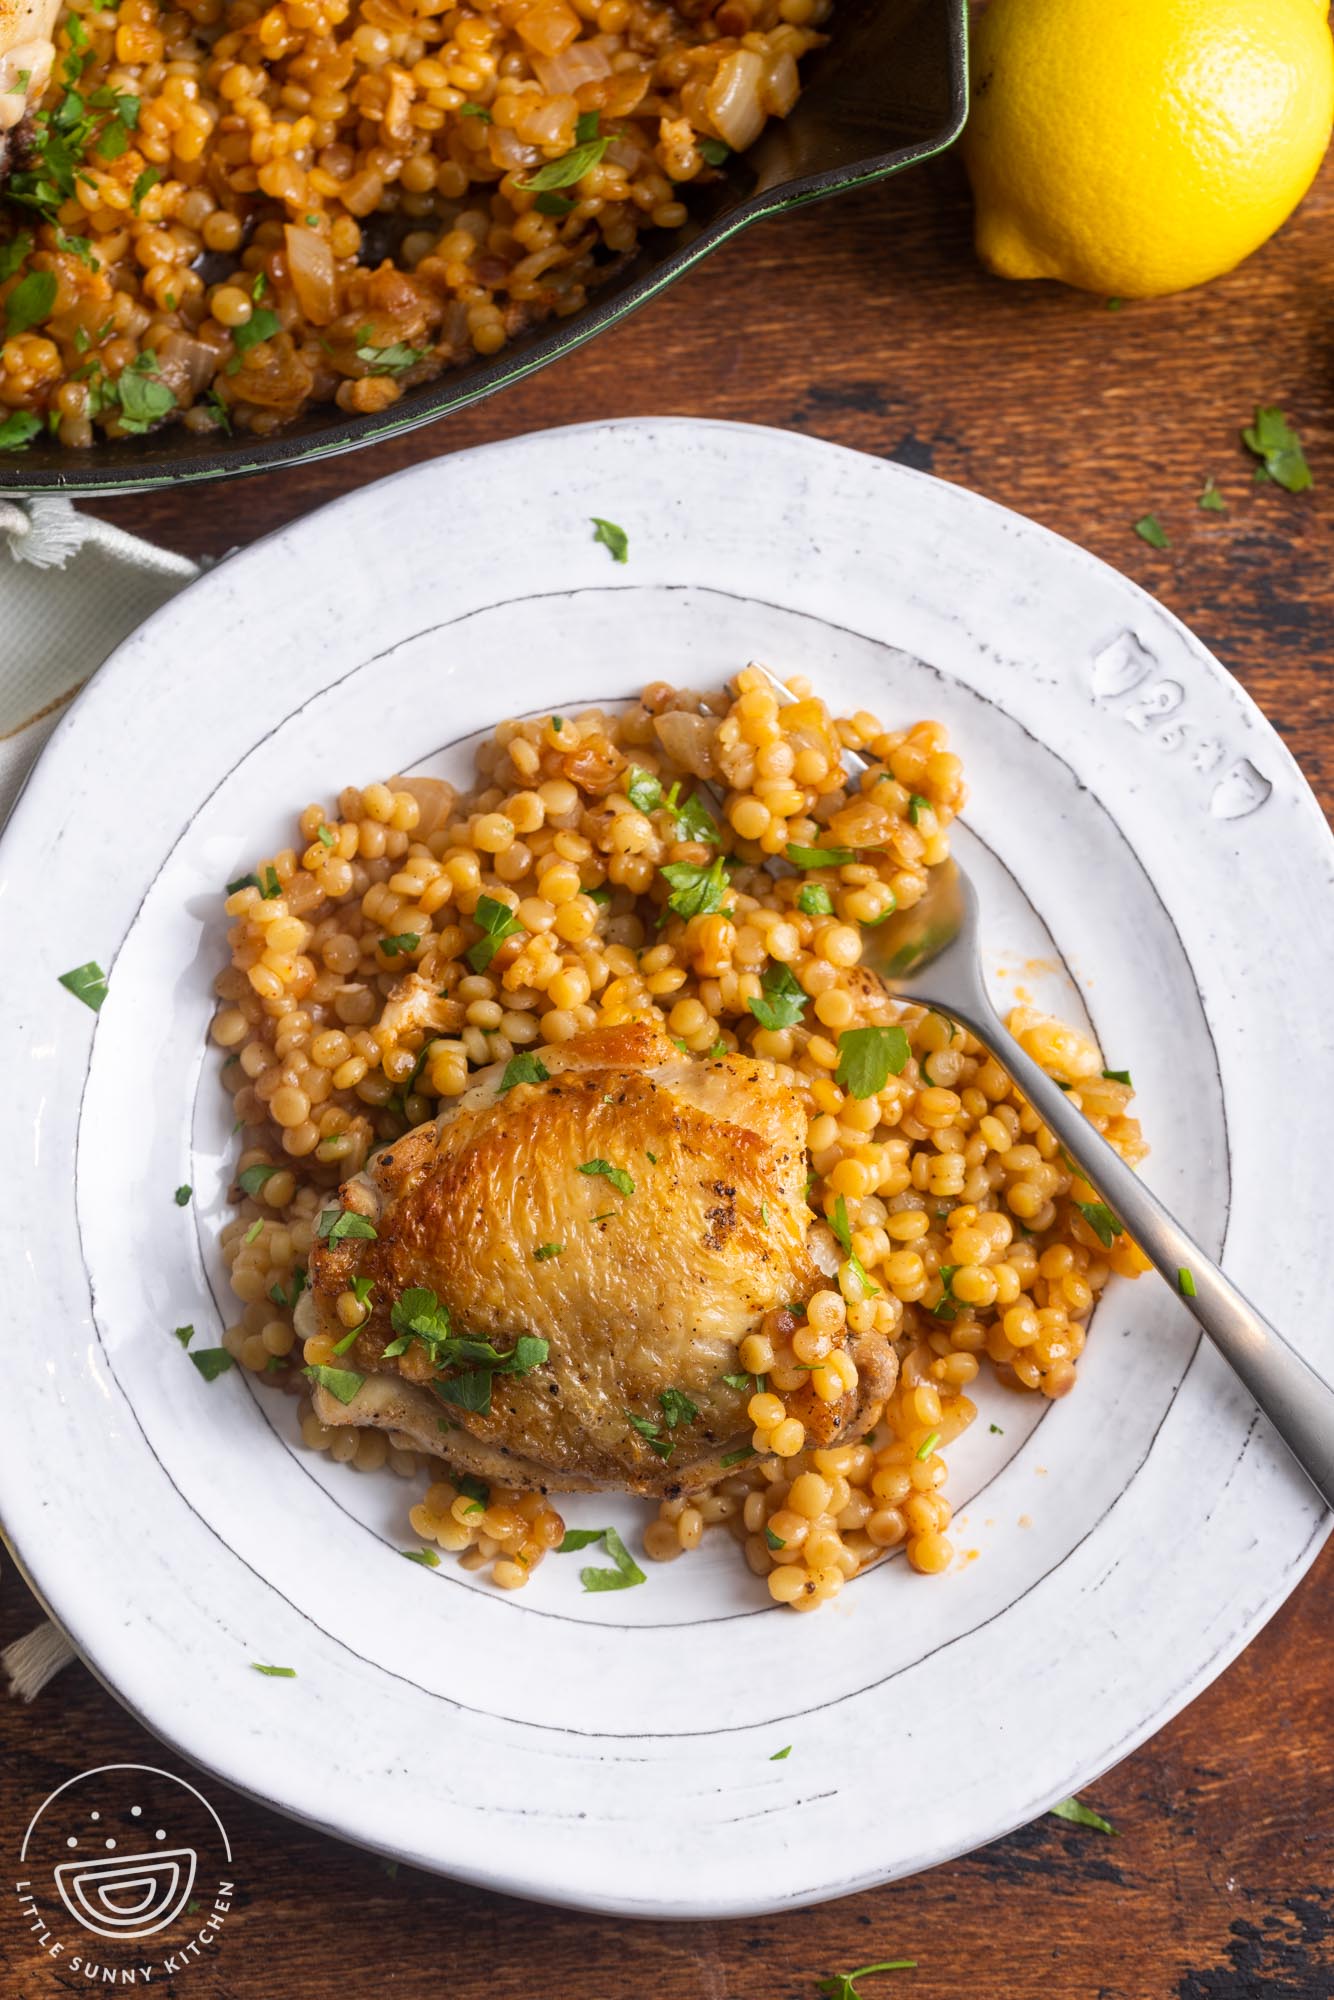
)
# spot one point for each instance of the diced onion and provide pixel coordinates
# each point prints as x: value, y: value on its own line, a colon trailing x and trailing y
x: 687, y: 739
x: 782, y: 85
x: 508, y: 149
x: 734, y: 99
x: 561, y: 75
x: 310, y: 264
x: 435, y: 801
x: 186, y: 365
x: 549, y: 26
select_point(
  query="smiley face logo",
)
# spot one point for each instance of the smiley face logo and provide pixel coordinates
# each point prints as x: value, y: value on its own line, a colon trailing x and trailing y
x: 124, y: 1845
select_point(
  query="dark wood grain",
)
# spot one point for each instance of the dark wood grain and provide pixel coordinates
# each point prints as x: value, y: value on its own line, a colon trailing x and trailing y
x: 868, y: 322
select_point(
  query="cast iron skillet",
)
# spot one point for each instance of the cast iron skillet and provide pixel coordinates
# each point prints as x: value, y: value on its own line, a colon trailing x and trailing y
x: 890, y: 88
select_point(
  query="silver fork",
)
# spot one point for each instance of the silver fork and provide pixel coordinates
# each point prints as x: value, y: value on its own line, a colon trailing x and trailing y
x: 930, y: 955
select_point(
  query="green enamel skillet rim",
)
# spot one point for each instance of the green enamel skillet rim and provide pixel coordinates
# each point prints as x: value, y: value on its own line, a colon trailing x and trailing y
x: 897, y: 69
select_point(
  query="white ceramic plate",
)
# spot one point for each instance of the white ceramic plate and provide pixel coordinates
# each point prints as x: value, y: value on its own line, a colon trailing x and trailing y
x: 1150, y: 859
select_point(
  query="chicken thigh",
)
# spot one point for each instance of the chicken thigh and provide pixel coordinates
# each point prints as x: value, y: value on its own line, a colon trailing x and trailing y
x: 562, y: 1269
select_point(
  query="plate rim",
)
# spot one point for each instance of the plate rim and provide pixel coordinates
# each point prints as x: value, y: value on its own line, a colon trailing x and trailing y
x: 444, y: 470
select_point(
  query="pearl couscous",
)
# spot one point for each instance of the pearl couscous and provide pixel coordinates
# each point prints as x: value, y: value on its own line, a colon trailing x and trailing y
x: 224, y: 212
x: 943, y: 1209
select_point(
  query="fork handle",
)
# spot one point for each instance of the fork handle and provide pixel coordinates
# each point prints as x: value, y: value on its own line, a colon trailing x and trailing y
x: 1298, y: 1403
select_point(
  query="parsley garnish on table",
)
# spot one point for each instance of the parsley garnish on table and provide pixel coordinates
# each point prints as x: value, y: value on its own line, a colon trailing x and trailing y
x: 1272, y: 439
x: 1081, y: 1815
x: 843, y: 1985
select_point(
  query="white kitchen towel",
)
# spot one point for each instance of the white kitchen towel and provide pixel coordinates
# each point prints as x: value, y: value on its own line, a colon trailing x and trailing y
x: 71, y: 588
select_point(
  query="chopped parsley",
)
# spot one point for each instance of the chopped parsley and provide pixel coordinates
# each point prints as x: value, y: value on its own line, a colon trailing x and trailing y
x: 996, y: 1431
x: 1211, y: 499
x: 645, y: 793
x: 677, y: 1408
x: 211, y: 1361
x: 1119, y: 1076
x: 815, y: 900
x: 1272, y: 439
x: 1081, y: 1815
x: 838, y: 1222
x: 786, y: 1750
x: 784, y: 999
x: 697, y: 889
x: 546, y: 1250
x: 819, y: 857
x: 343, y: 1383
x: 419, y: 1315
x: 399, y: 946
x: 618, y: 1177
x: 627, y: 1571
x: 391, y: 360
x: 326, y: 836
x: 651, y: 1432
x: 1150, y: 529
x: 77, y: 246
x: 523, y: 1068
x: 185, y: 1334
x: 428, y: 1558
x: 572, y: 166
x: 261, y: 325
x: 868, y: 1057
x: 251, y: 1179
x: 13, y: 253
x: 149, y: 178
x: 182, y: 1196
x: 712, y: 150
x: 843, y: 1985
x: 945, y: 1307
x: 289, y: 1296
x: 18, y: 430
x: 1101, y: 1221
x: 694, y: 821
x: 1186, y: 1282
x: 336, y: 1224
x: 738, y: 1457
x: 917, y: 805
x: 87, y: 983
x: 275, y: 1673
x: 497, y: 922
x: 475, y: 111
x: 613, y: 539
x: 144, y: 400
x: 774, y: 1541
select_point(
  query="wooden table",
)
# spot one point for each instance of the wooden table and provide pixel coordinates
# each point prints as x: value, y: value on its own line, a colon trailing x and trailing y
x: 867, y: 321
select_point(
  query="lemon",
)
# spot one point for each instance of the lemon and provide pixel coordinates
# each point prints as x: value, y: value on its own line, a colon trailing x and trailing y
x: 1143, y: 146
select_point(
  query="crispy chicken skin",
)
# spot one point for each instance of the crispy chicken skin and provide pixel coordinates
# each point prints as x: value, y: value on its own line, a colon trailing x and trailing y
x: 649, y: 1291
x: 26, y: 55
